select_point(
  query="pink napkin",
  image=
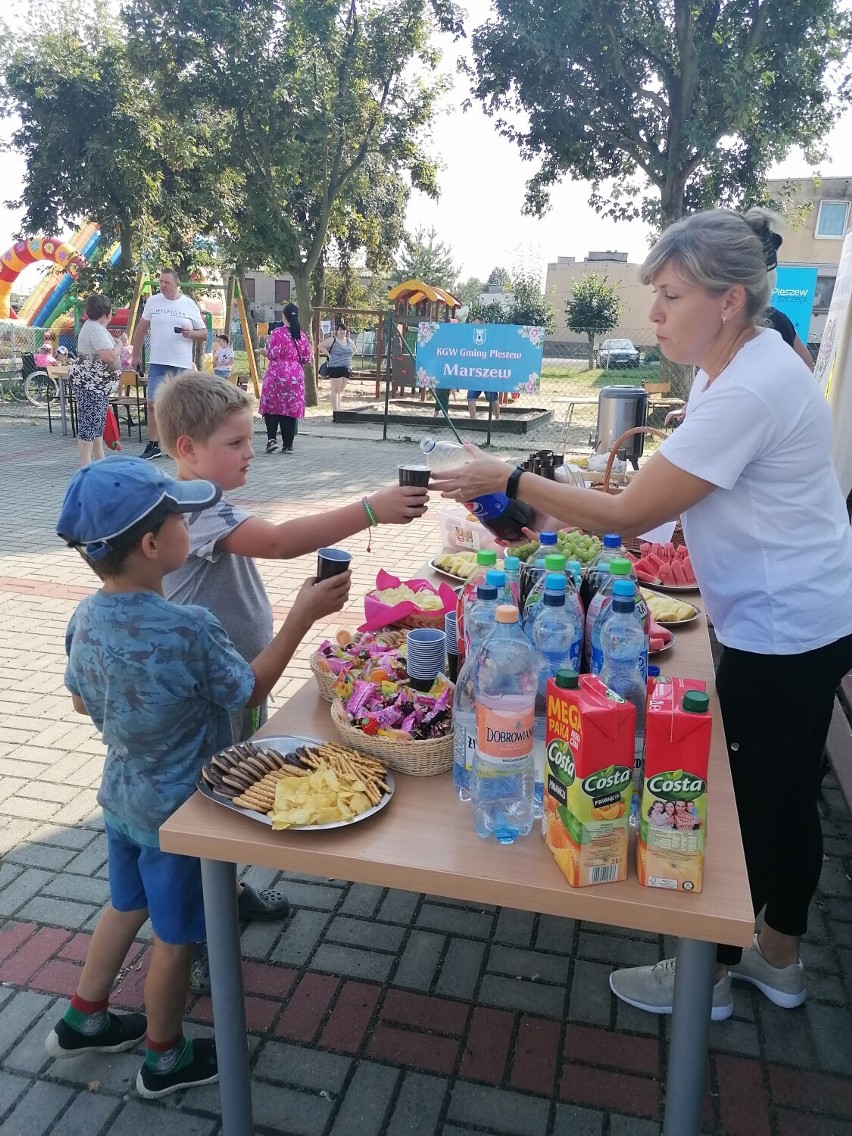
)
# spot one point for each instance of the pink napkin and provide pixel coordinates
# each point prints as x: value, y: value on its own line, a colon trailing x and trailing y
x: 379, y: 614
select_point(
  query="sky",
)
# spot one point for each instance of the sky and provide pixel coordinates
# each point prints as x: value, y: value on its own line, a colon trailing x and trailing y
x: 482, y: 182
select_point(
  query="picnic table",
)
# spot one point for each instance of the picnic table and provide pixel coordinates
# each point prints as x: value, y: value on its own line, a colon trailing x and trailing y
x: 424, y: 841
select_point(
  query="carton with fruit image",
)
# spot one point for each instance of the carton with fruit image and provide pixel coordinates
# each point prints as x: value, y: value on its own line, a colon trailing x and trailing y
x: 673, y: 813
x: 588, y: 779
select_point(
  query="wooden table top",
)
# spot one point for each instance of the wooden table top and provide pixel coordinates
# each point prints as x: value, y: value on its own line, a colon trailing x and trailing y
x: 424, y: 840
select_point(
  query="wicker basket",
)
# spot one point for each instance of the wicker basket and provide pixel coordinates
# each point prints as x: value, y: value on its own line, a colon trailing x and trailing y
x: 326, y: 679
x: 419, y: 619
x: 632, y: 544
x: 417, y: 759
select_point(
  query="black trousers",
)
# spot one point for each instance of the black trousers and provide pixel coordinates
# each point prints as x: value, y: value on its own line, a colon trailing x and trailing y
x: 285, y: 423
x: 777, y: 710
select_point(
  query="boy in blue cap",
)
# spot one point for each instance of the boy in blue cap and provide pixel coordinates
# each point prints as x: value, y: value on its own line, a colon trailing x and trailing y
x: 159, y: 680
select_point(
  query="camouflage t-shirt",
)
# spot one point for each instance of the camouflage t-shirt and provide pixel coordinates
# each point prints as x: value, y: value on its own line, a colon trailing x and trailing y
x: 158, y: 679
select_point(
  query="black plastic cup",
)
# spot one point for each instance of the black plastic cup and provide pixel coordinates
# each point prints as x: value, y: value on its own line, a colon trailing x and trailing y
x: 414, y: 475
x: 331, y: 562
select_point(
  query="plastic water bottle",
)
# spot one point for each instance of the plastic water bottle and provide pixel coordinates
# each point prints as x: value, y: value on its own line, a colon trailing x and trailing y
x: 531, y: 570
x: 504, y: 517
x: 624, y: 642
x: 577, y: 574
x: 485, y: 558
x: 479, y: 620
x: 598, y: 570
x: 557, y: 635
x: 503, y: 772
x: 512, y: 569
x: 620, y: 568
x: 553, y: 563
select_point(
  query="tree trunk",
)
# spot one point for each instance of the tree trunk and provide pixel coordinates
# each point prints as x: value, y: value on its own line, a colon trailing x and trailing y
x: 304, y: 298
x: 677, y: 375
x: 229, y: 304
x: 125, y: 237
x: 591, y: 336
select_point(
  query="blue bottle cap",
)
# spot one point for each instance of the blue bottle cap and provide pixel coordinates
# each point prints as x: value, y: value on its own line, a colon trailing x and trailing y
x: 495, y: 578
x: 486, y: 592
x: 623, y: 588
x: 550, y: 538
x: 575, y: 566
x: 610, y: 540
x: 653, y: 672
x: 555, y: 582
x: 511, y: 564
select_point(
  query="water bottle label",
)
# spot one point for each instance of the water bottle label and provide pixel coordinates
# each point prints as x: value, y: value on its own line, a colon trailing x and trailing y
x: 464, y: 747
x: 502, y: 736
x: 596, y: 660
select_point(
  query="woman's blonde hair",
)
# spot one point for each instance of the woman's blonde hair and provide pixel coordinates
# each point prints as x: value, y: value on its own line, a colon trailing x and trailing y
x: 717, y: 249
x: 197, y: 404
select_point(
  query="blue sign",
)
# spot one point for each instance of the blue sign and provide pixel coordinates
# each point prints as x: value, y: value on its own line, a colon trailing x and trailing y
x: 479, y: 356
x: 793, y: 295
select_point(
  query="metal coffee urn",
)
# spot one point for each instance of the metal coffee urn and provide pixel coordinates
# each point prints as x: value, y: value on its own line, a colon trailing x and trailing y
x: 619, y: 409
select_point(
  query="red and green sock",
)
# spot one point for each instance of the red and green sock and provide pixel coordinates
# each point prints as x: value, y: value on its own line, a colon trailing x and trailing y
x: 168, y: 1056
x: 87, y: 1018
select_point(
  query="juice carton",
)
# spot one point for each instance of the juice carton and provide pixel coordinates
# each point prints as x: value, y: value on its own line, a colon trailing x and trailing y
x: 673, y: 813
x: 589, y: 744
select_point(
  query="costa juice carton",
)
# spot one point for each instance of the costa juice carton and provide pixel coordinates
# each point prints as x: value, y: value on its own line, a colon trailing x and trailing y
x: 589, y: 743
x: 673, y: 812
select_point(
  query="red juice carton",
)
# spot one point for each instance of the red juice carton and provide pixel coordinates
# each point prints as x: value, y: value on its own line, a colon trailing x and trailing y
x: 672, y: 827
x: 589, y: 742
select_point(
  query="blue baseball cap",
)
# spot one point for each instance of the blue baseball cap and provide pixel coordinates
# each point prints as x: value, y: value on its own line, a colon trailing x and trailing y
x: 108, y: 498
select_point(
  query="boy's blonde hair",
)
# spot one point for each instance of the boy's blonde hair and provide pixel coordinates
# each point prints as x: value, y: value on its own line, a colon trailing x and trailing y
x: 197, y: 404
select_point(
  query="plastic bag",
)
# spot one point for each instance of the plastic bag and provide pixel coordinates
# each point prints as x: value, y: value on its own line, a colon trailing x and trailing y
x: 460, y: 532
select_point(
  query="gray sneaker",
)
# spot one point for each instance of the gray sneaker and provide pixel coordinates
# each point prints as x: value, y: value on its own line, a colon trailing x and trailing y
x: 651, y: 988
x: 783, y: 985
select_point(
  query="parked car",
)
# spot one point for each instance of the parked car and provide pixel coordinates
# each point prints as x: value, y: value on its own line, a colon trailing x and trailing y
x: 617, y: 353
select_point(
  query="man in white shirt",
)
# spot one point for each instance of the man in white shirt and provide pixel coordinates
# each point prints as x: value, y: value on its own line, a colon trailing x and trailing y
x: 174, y: 321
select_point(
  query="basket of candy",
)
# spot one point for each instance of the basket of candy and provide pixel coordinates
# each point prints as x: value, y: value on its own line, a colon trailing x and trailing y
x: 409, y: 731
x: 363, y: 655
x: 416, y: 603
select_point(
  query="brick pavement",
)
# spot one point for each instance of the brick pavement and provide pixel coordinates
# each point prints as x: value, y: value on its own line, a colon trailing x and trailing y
x: 373, y: 1012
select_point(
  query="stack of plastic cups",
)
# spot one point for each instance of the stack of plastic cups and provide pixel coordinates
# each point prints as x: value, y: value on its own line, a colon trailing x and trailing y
x: 425, y: 656
x: 450, y: 630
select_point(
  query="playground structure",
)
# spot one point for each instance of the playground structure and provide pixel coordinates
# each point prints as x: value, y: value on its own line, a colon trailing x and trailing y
x: 413, y: 302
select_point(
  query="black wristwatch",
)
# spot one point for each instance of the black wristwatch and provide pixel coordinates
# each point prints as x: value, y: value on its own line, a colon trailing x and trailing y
x: 512, y: 483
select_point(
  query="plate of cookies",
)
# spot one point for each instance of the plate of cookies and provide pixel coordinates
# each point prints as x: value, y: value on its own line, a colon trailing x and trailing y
x: 299, y: 783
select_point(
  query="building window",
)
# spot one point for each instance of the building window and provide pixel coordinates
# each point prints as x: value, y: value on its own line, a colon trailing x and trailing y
x: 831, y: 220
x: 250, y: 289
x: 824, y: 292
x: 282, y: 291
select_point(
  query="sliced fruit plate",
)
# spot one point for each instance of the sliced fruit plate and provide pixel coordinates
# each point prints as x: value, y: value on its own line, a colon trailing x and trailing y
x: 668, y: 611
x: 661, y: 639
x: 665, y: 566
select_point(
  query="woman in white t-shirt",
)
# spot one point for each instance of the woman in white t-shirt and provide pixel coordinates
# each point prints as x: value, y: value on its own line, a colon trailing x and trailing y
x: 93, y: 374
x: 749, y: 472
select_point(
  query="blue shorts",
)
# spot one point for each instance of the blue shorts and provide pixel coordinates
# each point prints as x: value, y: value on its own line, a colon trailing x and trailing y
x: 167, y: 884
x: 222, y: 372
x: 490, y: 396
x: 156, y: 373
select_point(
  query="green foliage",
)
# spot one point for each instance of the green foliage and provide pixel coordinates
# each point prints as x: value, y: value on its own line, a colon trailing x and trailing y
x: 469, y: 291
x: 500, y: 277
x: 691, y: 99
x: 592, y: 309
x: 424, y: 257
x: 528, y: 305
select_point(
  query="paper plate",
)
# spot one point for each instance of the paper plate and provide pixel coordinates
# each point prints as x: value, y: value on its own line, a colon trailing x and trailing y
x: 285, y: 744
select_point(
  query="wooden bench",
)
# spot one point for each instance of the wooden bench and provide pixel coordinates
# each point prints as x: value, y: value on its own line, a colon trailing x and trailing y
x: 659, y: 398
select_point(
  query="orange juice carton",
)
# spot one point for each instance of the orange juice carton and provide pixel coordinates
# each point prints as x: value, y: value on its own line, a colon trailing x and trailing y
x: 589, y: 742
x: 673, y: 813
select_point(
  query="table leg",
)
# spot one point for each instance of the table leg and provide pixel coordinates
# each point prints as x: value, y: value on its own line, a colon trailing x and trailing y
x: 226, y: 975
x: 62, y: 408
x: 693, y: 998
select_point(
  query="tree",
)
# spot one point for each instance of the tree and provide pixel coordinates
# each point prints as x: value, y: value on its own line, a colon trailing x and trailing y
x: 594, y: 308
x: 305, y: 94
x: 499, y: 278
x: 469, y: 291
x: 691, y: 98
x: 528, y: 305
x: 424, y: 257
x: 95, y: 150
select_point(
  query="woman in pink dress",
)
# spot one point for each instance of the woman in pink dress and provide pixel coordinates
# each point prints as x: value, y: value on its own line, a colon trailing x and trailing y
x: 282, y: 400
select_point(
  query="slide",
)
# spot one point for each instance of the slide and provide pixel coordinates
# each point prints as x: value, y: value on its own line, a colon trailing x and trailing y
x: 67, y: 301
x: 22, y: 253
x: 41, y: 316
x: 45, y: 286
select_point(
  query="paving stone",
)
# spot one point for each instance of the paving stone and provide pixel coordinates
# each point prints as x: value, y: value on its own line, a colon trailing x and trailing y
x: 570, y: 1120
x: 617, y: 950
x: 555, y: 935
x: 632, y: 1126
x: 19, y: 1013
x: 514, y: 1113
x: 12, y: 1088
x: 367, y: 1101
x: 143, y: 1116
x: 831, y: 1029
x: 528, y: 964
x: 300, y: 938
x: 418, y: 1106
x: 398, y: 906
x: 514, y: 994
x: 310, y: 895
x: 93, y: 856
x: 471, y: 924
x: 355, y: 963
x: 362, y: 900
x: 590, y: 998
x: 735, y: 1037
x: 364, y: 933
x: 116, y: 1072
x: 460, y: 969
x: 40, y: 856
x: 27, y: 885
x: 419, y: 961
x: 87, y: 1114
x: 302, y: 1068
x: 283, y: 1110
x: 515, y: 928
x: 782, y: 1042
x: 43, y: 909
x: 79, y: 888
x: 36, y: 1110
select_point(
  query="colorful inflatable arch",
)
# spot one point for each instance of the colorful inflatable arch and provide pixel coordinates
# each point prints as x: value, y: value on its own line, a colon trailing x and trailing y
x: 27, y: 252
